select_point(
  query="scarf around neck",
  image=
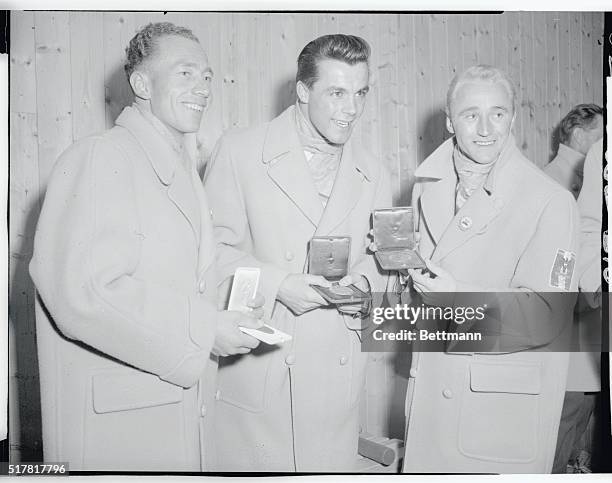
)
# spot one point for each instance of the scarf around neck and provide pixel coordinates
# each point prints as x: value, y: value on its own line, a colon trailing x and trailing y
x: 325, y: 157
x: 472, y: 176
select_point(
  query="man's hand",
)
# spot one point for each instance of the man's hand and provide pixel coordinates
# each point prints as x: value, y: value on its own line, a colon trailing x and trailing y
x: 297, y: 295
x: 434, y: 290
x: 229, y: 339
x: 362, y: 283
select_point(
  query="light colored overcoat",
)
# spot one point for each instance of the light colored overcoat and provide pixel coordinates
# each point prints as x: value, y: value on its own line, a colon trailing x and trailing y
x: 123, y: 261
x: 486, y: 412
x: 584, y: 371
x: 567, y: 169
x: 294, y: 406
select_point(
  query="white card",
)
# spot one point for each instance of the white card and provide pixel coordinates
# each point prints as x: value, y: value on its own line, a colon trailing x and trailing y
x: 244, y: 288
x: 267, y: 334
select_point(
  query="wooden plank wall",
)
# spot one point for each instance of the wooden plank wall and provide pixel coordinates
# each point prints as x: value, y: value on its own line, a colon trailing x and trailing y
x: 67, y: 81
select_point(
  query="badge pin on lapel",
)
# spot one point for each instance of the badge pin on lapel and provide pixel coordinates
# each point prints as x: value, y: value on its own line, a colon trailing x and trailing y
x: 465, y: 223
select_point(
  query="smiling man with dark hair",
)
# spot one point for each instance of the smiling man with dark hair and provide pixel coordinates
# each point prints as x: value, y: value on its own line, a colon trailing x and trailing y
x: 272, y: 188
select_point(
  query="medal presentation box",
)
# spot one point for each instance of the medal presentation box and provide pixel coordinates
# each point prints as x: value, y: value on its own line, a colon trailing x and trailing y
x: 328, y: 256
x: 395, y: 239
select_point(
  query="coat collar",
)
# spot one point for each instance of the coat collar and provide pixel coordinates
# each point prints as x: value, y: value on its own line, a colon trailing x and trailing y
x: 284, y: 157
x: 165, y: 159
x: 162, y: 155
x: 572, y: 158
x: 450, y: 230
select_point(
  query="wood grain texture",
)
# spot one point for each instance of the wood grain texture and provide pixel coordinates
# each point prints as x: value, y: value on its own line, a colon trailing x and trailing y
x: 67, y: 81
x: 88, y: 108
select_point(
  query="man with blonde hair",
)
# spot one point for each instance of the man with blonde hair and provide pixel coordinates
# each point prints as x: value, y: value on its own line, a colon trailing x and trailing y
x: 490, y: 221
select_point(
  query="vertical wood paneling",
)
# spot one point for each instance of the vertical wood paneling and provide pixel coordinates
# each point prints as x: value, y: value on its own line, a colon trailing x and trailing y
x: 553, y: 101
x: 575, y: 48
x: 118, y: 29
x: 587, y: 57
x: 468, y: 40
x: 408, y: 154
x: 513, y: 45
x: 23, y: 74
x: 371, y: 121
x: 597, y: 44
x: 454, y: 45
x: 564, y: 62
x: 388, y: 96
x: 67, y: 80
x: 528, y: 71
x: 500, y: 40
x: 541, y: 99
x: 423, y: 73
x: 484, y: 39
x: 53, y: 78
x: 88, y: 108
x: 440, y: 79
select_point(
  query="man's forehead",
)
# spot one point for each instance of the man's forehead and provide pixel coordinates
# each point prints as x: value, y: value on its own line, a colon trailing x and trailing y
x: 176, y: 48
x: 337, y: 71
x: 480, y: 92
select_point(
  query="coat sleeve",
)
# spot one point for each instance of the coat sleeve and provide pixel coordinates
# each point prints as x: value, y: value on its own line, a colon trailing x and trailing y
x: 231, y: 225
x: 589, y: 204
x: 86, y: 252
x: 537, y: 308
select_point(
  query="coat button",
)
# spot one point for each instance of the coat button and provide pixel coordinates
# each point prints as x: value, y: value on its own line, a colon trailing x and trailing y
x: 211, y: 214
x: 343, y: 360
x: 290, y: 359
x: 203, y: 410
x: 218, y: 395
x: 202, y: 286
x: 447, y: 393
x: 465, y: 223
x: 289, y: 256
x: 413, y: 372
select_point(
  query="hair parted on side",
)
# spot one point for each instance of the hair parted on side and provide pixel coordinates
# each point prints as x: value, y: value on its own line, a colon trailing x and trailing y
x: 583, y: 116
x: 346, y: 48
x: 143, y: 44
x: 484, y: 73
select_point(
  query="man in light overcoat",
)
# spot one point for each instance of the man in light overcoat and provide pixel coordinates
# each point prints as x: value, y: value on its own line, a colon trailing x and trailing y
x: 491, y: 221
x: 578, y: 130
x: 124, y: 264
x: 294, y: 407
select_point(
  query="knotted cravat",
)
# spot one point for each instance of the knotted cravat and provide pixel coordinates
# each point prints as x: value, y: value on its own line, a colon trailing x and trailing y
x: 324, y: 158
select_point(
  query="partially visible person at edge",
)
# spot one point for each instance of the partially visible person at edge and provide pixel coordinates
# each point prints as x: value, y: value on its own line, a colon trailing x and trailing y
x: 578, y: 130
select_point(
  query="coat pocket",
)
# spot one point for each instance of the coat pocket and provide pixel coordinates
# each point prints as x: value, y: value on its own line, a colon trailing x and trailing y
x: 122, y: 391
x: 243, y: 380
x: 500, y: 412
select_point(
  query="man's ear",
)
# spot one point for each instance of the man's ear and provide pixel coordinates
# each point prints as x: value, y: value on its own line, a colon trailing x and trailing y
x: 302, y: 91
x: 141, y: 84
x: 577, y: 139
x: 449, y: 125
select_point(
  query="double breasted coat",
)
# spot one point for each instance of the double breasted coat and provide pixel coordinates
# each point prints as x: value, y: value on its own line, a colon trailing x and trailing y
x: 492, y: 412
x: 292, y: 407
x: 123, y: 261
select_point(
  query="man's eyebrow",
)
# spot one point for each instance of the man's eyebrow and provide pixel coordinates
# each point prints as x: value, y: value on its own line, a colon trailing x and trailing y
x: 336, y: 88
x: 468, y: 109
x: 195, y: 65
